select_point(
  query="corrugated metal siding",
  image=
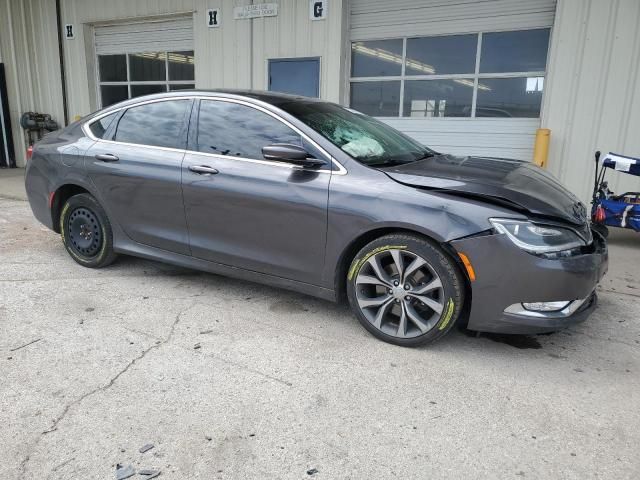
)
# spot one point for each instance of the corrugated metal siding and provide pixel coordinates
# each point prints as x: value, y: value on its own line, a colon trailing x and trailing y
x: 373, y: 19
x: 593, y: 99
x: 28, y: 40
x: 496, y: 137
x: 145, y: 36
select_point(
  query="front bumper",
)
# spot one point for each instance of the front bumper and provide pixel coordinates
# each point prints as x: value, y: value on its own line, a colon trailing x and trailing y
x: 507, y: 276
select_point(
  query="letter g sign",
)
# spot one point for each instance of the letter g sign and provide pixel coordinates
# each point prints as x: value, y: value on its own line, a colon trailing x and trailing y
x: 318, y: 9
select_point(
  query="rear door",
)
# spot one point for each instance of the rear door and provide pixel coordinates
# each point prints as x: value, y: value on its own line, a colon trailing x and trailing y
x: 136, y: 168
x: 251, y: 213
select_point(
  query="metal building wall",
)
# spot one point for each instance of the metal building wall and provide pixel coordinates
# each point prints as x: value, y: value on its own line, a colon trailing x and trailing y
x: 223, y: 55
x: 231, y: 56
x: 593, y: 92
x: 29, y: 49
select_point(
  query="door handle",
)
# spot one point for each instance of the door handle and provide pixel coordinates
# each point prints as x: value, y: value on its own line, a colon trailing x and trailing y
x: 107, y: 157
x: 203, y: 169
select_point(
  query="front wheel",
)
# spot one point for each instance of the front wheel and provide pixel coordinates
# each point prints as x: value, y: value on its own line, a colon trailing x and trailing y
x: 405, y: 290
x: 86, y: 232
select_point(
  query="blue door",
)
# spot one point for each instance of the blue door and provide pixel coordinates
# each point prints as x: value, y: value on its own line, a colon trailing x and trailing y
x: 298, y: 76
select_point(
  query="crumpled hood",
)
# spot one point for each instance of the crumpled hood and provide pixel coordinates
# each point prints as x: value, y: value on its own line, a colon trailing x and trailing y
x: 521, y: 184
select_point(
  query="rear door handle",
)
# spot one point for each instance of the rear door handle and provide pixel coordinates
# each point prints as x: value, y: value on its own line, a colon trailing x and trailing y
x: 107, y: 157
x: 203, y: 169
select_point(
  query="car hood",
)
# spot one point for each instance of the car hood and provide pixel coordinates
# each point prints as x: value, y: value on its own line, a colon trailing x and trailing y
x: 521, y: 185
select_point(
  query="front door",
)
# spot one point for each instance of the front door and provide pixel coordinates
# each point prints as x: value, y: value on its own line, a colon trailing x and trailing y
x: 247, y: 212
x: 137, y: 171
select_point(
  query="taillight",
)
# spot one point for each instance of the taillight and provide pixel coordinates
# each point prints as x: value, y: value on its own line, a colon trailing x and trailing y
x: 29, y: 152
x: 599, y: 215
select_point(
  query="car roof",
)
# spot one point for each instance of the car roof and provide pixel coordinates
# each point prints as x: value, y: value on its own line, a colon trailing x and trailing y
x: 271, y: 98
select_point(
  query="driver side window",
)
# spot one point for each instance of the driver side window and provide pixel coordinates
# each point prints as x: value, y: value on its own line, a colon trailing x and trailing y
x: 226, y: 128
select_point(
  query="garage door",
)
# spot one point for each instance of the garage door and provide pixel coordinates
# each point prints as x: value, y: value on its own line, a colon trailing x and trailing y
x: 141, y: 58
x: 462, y: 76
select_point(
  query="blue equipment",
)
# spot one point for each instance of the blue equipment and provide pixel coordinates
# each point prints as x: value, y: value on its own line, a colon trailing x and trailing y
x: 608, y: 208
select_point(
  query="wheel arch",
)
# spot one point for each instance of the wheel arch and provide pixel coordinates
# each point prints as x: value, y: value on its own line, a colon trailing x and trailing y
x: 61, y: 195
x: 348, y: 254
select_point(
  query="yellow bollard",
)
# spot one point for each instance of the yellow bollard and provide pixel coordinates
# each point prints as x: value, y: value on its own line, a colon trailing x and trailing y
x: 541, y: 147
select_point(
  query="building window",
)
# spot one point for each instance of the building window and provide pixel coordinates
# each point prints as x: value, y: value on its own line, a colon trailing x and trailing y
x: 487, y: 74
x: 134, y: 74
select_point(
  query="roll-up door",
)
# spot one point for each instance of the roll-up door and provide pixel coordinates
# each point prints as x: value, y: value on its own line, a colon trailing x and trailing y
x: 141, y: 58
x: 462, y: 76
x: 145, y: 37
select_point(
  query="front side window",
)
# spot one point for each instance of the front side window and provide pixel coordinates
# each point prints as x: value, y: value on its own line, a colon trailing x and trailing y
x: 364, y: 138
x: 226, y: 128
x: 158, y: 124
x: 488, y: 74
x: 134, y: 74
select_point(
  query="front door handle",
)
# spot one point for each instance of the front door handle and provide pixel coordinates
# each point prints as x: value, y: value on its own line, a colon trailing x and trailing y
x: 107, y: 157
x: 203, y: 169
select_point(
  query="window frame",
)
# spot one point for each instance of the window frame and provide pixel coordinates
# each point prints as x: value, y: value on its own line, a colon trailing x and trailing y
x: 167, y: 83
x: 476, y: 76
x: 334, y: 166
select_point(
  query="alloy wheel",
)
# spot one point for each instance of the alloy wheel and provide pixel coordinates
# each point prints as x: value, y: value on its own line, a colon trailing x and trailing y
x: 399, y: 293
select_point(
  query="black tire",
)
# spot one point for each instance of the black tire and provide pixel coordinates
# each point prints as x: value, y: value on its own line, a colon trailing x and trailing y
x: 449, y: 296
x: 86, y: 232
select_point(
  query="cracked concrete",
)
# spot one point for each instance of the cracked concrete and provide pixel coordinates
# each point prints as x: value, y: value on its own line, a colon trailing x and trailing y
x: 281, y: 384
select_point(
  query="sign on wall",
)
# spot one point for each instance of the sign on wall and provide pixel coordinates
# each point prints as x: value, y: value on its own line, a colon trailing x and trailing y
x: 69, y: 31
x: 213, y: 17
x: 255, y: 11
x: 318, y: 9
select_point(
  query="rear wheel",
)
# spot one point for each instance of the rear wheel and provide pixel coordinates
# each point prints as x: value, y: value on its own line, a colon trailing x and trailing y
x: 86, y: 232
x: 405, y: 290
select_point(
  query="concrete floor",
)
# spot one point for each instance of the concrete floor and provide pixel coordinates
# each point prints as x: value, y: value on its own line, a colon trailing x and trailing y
x: 232, y: 380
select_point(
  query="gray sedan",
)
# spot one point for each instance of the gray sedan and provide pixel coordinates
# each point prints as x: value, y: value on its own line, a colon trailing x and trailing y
x: 313, y: 197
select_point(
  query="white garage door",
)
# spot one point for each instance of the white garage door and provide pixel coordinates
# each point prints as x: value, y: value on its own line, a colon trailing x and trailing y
x: 135, y: 59
x: 462, y: 76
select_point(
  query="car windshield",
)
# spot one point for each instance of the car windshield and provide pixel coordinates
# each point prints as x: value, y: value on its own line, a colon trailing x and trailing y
x: 364, y: 138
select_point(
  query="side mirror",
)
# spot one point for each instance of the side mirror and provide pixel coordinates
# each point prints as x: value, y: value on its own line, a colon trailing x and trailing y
x: 289, y: 153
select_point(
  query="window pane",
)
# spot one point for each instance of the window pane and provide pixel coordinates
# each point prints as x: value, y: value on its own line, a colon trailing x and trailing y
x: 181, y: 66
x: 156, y: 124
x: 230, y: 129
x: 113, y: 68
x: 146, y: 67
x: 139, y: 90
x: 509, y: 97
x: 99, y: 127
x: 189, y: 86
x: 524, y: 51
x: 376, y: 59
x: 111, y: 94
x: 378, y: 99
x: 441, y: 55
x: 438, y: 98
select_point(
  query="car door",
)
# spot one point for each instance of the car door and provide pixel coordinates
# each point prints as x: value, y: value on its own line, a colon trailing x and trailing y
x: 136, y: 168
x: 247, y: 212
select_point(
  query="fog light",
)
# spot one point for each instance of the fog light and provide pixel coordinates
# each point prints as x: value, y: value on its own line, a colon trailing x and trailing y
x: 545, y: 306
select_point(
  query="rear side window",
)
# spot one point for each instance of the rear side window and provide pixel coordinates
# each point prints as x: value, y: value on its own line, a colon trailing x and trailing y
x: 100, y: 127
x: 158, y: 124
x: 226, y: 128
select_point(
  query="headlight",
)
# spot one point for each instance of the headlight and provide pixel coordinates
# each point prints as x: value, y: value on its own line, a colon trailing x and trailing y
x: 537, y: 238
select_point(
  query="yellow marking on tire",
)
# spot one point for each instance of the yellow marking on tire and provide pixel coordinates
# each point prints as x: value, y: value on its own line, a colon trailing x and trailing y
x: 446, y: 318
x: 360, y: 262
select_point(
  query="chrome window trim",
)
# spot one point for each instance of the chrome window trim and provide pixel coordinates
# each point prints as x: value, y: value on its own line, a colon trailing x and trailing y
x: 341, y: 170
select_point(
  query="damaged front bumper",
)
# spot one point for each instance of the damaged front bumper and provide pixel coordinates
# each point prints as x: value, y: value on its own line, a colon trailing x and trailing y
x: 507, y: 277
